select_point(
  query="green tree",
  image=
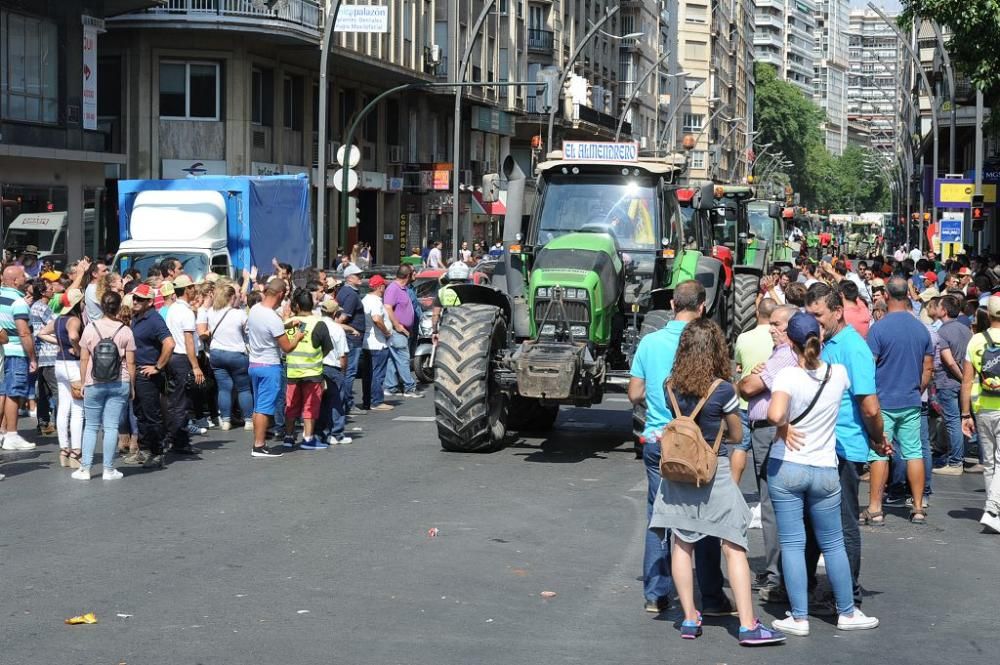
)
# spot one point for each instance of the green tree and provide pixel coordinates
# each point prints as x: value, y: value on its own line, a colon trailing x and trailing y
x: 975, y: 33
x: 786, y: 118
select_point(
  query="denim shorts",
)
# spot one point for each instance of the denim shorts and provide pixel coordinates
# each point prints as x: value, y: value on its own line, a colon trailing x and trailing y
x: 266, y: 381
x: 902, y: 428
x: 16, y: 382
x: 747, y: 443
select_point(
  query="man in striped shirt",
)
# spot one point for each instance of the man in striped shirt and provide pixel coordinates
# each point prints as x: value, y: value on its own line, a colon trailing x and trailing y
x: 19, y: 354
x: 756, y: 388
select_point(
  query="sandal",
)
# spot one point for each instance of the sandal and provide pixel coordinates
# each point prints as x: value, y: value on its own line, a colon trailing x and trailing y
x: 871, y: 519
x: 73, y: 458
x: 918, y: 517
x: 64, y: 457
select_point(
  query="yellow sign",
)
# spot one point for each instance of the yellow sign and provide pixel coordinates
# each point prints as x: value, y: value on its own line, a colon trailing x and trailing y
x: 962, y: 192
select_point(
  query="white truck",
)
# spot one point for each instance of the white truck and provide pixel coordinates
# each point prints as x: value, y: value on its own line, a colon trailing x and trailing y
x: 44, y: 230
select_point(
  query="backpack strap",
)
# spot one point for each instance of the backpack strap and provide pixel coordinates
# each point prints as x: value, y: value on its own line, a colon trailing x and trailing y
x: 697, y: 407
x: 989, y: 340
x: 673, y: 400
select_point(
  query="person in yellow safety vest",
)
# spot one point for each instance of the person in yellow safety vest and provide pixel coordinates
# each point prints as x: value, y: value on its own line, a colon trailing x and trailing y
x: 304, y: 371
x: 458, y: 273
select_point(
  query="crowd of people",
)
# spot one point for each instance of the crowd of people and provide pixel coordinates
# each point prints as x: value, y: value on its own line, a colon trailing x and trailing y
x: 146, y: 362
x: 885, y: 370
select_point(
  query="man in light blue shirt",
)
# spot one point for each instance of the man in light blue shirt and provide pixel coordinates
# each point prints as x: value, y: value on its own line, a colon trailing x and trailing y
x: 859, y: 422
x: 651, y: 367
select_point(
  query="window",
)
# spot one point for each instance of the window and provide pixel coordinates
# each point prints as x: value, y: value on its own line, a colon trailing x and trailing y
x: 692, y: 122
x: 697, y: 159
x: 189, y: 90
x: 257, y: 97
x: 696, y: 50
x: 29, y: 82
x: 696, y: 13
x: 292, y: 94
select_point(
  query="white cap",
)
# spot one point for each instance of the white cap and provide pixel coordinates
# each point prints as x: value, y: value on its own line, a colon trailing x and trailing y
x: 352, y: 270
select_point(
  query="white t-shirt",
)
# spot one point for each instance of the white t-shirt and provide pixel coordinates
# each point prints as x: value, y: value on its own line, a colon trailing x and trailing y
x: 817, y: 428
x: 915, y: 254
x: 230, y: 326
x: 339, y: 339
x: 374, y: 339
x: 264, y: 326
x: 180, y: 319
x: 434, y: 258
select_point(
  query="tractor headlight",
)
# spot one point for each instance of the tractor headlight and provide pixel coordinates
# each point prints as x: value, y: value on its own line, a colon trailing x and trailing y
x: 578, y: 331
x: 548, y: 330
x: 542, y: 292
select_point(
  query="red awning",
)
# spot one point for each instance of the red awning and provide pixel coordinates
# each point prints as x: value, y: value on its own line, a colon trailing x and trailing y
x: 480, y: 207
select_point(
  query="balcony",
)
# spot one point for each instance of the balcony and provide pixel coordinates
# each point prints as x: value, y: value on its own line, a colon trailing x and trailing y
x: 299, y: 19
x: 539, y: 41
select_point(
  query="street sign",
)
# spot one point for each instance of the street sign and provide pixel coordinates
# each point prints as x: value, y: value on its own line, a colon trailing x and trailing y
x: 363, y: 18
x: 951, y: 227
x: 354, y: 158
x: 352, y: 180
x: 599, y: 151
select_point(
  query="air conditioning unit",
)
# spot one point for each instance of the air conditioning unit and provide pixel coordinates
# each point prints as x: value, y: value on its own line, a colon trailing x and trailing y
x: 395, y: 154
x: 643, y: 141
x: 434, y: 54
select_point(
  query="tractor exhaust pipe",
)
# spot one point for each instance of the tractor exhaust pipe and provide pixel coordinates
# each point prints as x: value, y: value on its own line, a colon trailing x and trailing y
x: 513, y: 225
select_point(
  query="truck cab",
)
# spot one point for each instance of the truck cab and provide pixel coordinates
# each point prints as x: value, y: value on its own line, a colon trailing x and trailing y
x: 44, y: 230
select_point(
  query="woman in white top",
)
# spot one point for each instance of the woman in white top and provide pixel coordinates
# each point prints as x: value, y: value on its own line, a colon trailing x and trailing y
x: 227, y: 331
x: 802, y: 476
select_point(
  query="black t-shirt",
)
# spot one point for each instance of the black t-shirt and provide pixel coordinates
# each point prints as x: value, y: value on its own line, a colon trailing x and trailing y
x: 723, y: 401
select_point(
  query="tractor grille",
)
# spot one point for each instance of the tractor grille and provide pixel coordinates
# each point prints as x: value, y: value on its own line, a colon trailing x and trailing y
x: 577, y: 311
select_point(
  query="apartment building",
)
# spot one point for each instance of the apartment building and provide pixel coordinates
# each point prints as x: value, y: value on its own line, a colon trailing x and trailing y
x: 830, y: 70
x: 234, y: 86
x: 876, y: 86
x: 784, y: 35
x: 55, y: 163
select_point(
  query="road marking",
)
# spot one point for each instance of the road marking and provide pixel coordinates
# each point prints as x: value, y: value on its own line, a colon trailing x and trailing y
x: 616, y: 399
x: 414, y: 419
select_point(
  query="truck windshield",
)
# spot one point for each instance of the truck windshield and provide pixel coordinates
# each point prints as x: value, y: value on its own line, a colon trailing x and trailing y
x: 195, y: 265
x: 625, y: 207
x: 761, y: 224
x: 41, y: 238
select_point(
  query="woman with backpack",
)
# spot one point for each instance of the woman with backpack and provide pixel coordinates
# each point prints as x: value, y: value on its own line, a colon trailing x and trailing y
x: 702, y: 399
x: 802, y: 476
x: 107, y: 364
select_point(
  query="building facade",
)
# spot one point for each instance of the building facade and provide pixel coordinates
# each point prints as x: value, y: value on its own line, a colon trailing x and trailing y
x: 875, y: 90
x: 830, y: 79
x: 784, y: 36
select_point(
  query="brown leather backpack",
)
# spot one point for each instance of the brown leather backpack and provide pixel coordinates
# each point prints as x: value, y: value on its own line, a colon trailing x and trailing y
x: 685, y: 456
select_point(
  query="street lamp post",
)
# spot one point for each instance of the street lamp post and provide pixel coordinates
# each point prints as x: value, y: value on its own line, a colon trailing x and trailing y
x: 635, y: 91
x: 736, y: 125
x: 457, y: 120
x: 611, y: 11
x: 673, y: 114
x: 329, y: 24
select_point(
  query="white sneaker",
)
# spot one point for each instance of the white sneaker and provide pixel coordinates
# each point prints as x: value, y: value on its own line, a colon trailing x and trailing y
x: 991, y: 521
x: 193, y: 429
x: 225, y: 425
x: 248, y: 426
x: 33, y: 414
x: 790, y: 626
x: 334, y: 441
x: 857, y: 621
x: 112, y: 474
x: 80, y: 474
x: 16, y: 442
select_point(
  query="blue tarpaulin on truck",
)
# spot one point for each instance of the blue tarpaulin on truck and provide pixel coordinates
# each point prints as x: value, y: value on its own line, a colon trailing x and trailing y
x: 266, y: 217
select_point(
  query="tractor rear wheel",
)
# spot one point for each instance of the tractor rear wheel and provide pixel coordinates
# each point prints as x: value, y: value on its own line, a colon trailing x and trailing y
x: 746, y: 286
x: 471, y: 409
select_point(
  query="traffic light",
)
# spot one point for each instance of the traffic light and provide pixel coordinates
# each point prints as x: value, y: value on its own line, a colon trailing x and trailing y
x: 978, y: 213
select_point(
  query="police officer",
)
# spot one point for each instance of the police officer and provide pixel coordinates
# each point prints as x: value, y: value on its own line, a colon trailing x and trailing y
x: 458, y: 273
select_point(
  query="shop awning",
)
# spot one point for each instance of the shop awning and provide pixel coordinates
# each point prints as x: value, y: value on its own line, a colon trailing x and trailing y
x: 480, y: 207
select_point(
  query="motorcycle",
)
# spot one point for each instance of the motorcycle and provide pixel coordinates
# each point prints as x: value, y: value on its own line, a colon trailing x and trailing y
x: 423, y: 356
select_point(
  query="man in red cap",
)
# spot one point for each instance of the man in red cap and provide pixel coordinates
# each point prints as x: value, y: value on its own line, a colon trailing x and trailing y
x: 376, y: 347
x: 154, y: 346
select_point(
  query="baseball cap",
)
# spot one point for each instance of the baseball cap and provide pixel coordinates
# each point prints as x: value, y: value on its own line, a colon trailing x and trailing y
x: 929, y: 293
x: 167, y: 288
x: 51, y: 276
x: 993, y: 306
x: 375, y: 281
x: 330, y: 306
x: 877, y: 283
x: 964, y: 270
x: 143, y: 292
x: 351, y: 270
x: 801, y: 327
x: 182, y: 282
x: 930, y: 276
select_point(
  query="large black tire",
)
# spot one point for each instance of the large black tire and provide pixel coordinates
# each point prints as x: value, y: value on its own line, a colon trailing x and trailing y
x: 423, y: 371
x: 530, y: 415
x: 746, y: 286
x: 653, y: 321
x: 470, y: 408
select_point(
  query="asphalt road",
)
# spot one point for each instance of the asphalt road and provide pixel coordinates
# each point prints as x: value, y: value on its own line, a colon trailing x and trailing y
x: 325, y: 557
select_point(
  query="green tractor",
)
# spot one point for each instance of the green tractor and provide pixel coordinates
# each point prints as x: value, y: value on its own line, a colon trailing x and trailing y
x: 589, y: 271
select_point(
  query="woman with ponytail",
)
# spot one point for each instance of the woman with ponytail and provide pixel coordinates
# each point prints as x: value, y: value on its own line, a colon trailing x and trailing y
x: 802, y: 476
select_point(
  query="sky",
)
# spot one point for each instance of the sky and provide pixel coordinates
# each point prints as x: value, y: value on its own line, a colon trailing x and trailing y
x: 891, y: 5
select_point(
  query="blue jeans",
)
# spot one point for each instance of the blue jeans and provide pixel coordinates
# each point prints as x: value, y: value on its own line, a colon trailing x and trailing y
x: 657, y: 582
x: 747, y: 442
x: 103, y: 404
x: 373, y: 381
x: 795, y: 488
x: 353, y: 358
x: 232, y: 369
x: 948, y: 399
x: 398, y: 369
x: 332, y: 417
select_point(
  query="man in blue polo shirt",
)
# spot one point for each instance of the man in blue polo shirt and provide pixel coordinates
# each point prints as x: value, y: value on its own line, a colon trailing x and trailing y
x: 859, y: 422
x: 352, y: 317
x: 653, y: 362
x: 19, y: 352
x: 154, y: 346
